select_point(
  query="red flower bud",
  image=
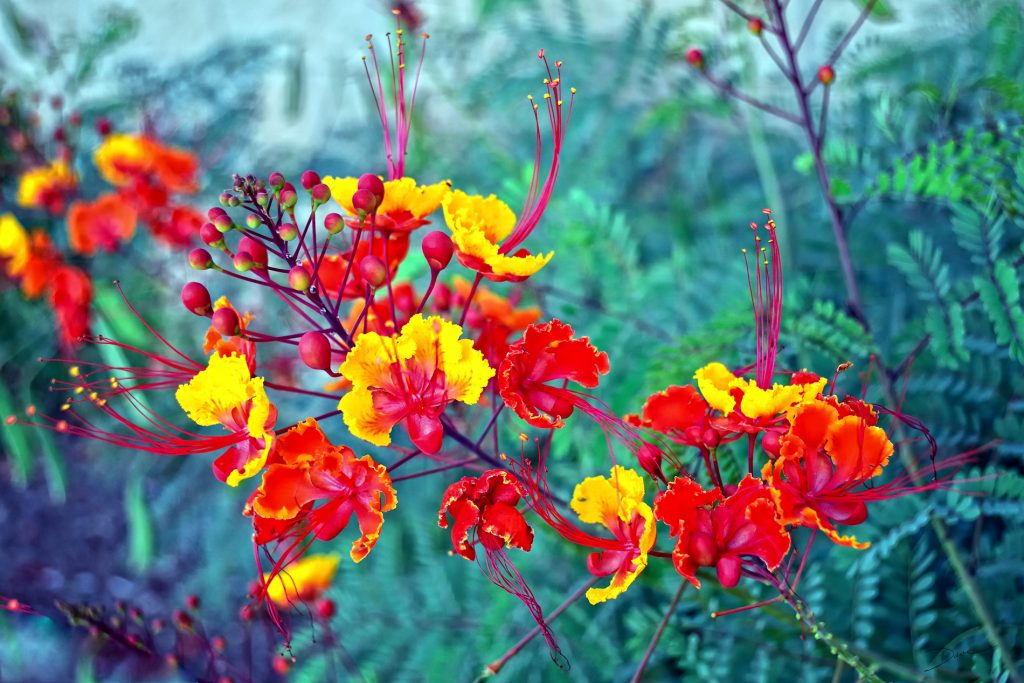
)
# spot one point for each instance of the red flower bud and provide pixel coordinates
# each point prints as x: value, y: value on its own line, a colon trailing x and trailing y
x: 333, y: 222
x: 228, y: 199
x: 192, y: 602
x: 373, y: 271
x: 226, y: 322
x: 298, y: 278
x: 211, y: 236
x: 325, y: 608
x: 256, y: 250
x: 309, y: 179
x: 364, y: 201
x: 442, y: 297
x: 196, y: 298
x: 243, y: 261
x: 374, y: 184
x: 771, y: 444
x: 219, y: 643
x: 103, y: 126
x: 827, y: 75
x: 320, y: 194
x: 755, y: 26
x: 58, y: 134
x: 711, y: 438
x: 75, y: 118
x: 289, y: 198
x: 246, y: 613
x: 282, y: 665
x: 200, y: 259
x: 437, y: 249
x: 650, y: 456
x: 276, y: 181
x: 695, y: 58
x: 315, y: 350
x: 182, y: 620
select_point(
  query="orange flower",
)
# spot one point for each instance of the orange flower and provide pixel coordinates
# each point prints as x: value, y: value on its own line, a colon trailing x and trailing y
x: 679, y: 412
x: 100, y: 224
x: 310, y: 469
x: 43, y: 258
x: 122, y: 159
x: 70, y: 298
x: 485, y: 505
x: 724, y: 533
x: 830, y: 450
x: 303, y: 581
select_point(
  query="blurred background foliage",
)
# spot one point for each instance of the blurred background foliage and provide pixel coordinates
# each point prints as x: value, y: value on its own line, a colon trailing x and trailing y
x: 659, y: 179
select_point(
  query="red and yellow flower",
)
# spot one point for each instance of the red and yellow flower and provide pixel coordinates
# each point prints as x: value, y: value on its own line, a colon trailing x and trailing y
x: 721, y: 532
x: 14, y: 245
x: 410, y: 378
x: 404, y: 208
x: 47, y: 187
x: 124, y: 159
x: 303, y: 581
x: 227, y: 394
x: 479, y: 227
x: 617, y: 503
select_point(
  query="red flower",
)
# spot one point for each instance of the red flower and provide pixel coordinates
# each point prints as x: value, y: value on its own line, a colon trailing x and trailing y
x: 678, y: 412
x: 548, y: 353
x: 487, y: 504
x: 101, y: 224
x: 70, y: 299
x: 718, y: 532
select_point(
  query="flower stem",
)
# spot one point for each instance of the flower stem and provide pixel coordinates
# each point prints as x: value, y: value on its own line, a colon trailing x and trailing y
x: 657, y: 634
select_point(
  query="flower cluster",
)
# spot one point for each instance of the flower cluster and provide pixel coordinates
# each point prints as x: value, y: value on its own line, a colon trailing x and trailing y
x: 426, y: 377
x: 146, y: 176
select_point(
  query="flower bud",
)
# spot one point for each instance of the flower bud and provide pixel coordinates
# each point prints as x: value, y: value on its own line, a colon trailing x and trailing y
x: 771, y: 443
x: 262, y: 198
x: 315, y: 350
x: 364, y: 201
x: 253, y: 222
x: 437, y: 249
x: 325, y: 608
x: 289, y: 198
x: 243, y: 261
x: 256, y: 250
x: 200, y: 259
x: 299, y: 279
x: 374, y: 184
x: 225, y: 321
x: 227, y: 199
x: 246, y: 613
x: 219, y: 643
x: 192, y: 602
x: 320, y: 194
x: 287, y: 232
x: 220, y: 219
x: 282, y: 665
x: 695, y: 58
x: 182, y: 619
x: 711, y: 438
x: 211, y: 236
x: 442, y: 298
x: 103, y: 126
x: 58, y: 134
x: 309, y: 179
x: 196, y: 298
x: 333, y: 223
x: 75, y: 119
x: 373, y: 271
x: 755, y: 26
x: 276, y: 181
x: 650, y: 456
x: 827, y: 75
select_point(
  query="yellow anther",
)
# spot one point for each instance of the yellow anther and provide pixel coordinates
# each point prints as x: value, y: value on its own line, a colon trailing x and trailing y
x: 66, y: 406
x: 79, y: 390
x: 529, y: 97
x: 559, y: 103
x: 547, y: 96
x: 93, y: 396
x: 572, y: 90
x: 523, y: 437
x: 74, y: 371
x: 535, y: 107
x: 546, y: 81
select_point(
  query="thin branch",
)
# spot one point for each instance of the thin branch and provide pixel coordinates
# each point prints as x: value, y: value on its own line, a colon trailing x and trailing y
x: 729, y: 90
x: 657, y: 634
x: 808, y: 22
x: 838, y: 51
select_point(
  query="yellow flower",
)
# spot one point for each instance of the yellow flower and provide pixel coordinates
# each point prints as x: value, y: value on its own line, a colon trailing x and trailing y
x: 121, y: 156
x: 410, y: 377
x: 405, y: 204
x: 303, y: 580
x: 617, y: 503
x: 37, y: 185
x: 717, y: 384
x: 478, y: 225
x: 714, y: 381
x: 14, y: 244
x: 225, y: 393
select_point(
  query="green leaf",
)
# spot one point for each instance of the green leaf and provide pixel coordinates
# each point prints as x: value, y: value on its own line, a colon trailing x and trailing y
x: 880, y: 10
x: 141, y: 542
x: 15, y: 441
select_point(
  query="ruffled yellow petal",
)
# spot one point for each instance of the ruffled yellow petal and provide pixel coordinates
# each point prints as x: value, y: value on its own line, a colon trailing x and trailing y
x: 488, y: 215
x: 254, y: 466
x: 369, y: 362
x: 311, y: 575
x: 225, y: 384
x: 404, y: 194
x: 714, y: 381
x: 119, y: 152
x: 342, y: 190
x: 14, y: 244
x: 600, y: 500
x: 622, y: 580
x: 438, y: 340
x: 469, y: 374
x: 362, y: 418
